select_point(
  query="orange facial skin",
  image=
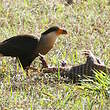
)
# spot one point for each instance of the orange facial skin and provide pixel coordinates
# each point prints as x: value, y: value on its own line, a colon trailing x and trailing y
x: 61, y: 31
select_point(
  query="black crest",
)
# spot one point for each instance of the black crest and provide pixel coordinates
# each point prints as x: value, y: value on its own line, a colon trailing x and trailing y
x: 52, y: 29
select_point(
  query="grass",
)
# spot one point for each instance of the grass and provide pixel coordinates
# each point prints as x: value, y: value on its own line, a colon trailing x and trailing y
x: 88, y: 26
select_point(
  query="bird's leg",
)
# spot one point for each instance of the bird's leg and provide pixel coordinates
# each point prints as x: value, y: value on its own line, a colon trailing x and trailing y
x: 44, y: 63
x: 47, y: 68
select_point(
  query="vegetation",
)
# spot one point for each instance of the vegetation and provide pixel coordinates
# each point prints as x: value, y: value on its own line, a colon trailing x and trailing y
x: 88, y: 26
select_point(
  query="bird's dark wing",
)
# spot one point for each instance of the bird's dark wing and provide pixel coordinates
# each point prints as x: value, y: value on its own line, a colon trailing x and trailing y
x: 20, y: 45
x: 26, y: 60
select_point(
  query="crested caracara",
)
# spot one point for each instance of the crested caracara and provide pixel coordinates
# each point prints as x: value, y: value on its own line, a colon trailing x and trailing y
x: 28, y: 47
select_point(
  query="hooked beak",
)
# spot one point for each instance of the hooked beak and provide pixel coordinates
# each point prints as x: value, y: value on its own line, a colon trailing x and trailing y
x: 61, y: 31
x: 64, y: 32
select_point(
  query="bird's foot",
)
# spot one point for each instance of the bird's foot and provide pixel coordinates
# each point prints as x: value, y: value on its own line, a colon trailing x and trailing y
x: 53, y: 69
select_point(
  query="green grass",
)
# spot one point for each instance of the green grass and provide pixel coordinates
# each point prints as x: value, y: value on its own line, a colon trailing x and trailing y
x: 88, y: 26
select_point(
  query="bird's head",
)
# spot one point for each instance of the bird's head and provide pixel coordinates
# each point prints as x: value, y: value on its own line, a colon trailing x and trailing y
x: 54, y: 31
x: 48, y: 39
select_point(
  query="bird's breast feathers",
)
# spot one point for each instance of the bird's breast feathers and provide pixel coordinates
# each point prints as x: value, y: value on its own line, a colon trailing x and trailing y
x: 46, y: 42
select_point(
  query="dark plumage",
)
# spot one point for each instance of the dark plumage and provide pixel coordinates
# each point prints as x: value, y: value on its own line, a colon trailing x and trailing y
x: 28, y: 47
x: 21, y: 46
x: 55, y: 28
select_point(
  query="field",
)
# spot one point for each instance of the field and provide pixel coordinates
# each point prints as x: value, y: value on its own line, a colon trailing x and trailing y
x: 88, y: 26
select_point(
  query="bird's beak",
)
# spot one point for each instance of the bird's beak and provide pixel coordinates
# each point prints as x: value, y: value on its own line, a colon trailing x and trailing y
x: 61, y: 31
x: 64, y: 32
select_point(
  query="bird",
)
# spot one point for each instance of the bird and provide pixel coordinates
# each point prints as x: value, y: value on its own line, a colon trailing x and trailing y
x: 27, y: 47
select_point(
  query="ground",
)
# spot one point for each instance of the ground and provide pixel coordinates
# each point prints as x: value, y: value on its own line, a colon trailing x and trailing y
x: 88, y: 26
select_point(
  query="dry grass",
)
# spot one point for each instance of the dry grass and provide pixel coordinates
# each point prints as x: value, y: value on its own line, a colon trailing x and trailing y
x: 88, y: 26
